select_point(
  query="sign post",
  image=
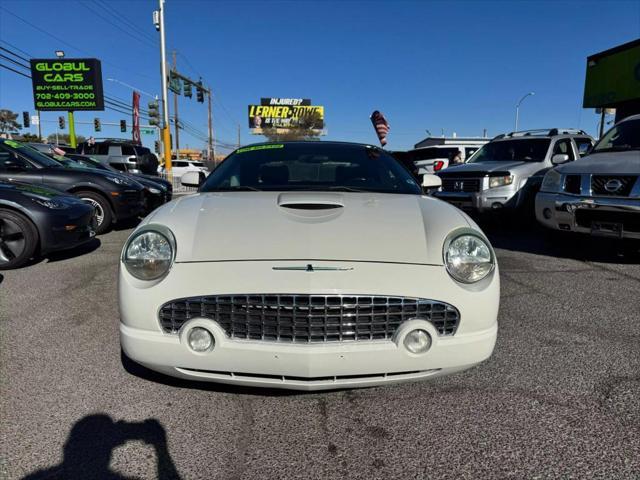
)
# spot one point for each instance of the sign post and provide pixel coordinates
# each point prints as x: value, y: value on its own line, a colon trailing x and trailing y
x: 72, y: 131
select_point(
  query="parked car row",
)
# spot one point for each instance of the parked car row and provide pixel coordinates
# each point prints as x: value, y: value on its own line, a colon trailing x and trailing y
x: 29, y: 222
x: 559, y: 174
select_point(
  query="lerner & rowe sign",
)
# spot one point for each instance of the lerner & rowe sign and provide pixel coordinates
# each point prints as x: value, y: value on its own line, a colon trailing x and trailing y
x: 67, y: 84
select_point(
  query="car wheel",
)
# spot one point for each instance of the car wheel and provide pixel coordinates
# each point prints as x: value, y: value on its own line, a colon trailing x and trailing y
x: 102, y: 214
x: 18, y: 239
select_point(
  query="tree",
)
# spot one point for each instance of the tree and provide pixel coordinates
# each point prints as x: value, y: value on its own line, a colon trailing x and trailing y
x: 8, y: 123
x: 28, y: 137
x: 63, y: 138
x: 307, y: 128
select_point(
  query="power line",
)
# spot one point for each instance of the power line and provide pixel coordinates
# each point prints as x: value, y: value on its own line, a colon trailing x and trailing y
x: 14, y: 54
x: 70, y: 45
x: 145, y: 42
x: 21, y: 51
x: 116, y: 14
x: 15, y: 71
x: 11, y: 60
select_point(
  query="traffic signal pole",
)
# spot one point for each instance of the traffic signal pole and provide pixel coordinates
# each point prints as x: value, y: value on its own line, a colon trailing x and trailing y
x: 166, y: 136
x: 72, y: 131
x: 175, y: 110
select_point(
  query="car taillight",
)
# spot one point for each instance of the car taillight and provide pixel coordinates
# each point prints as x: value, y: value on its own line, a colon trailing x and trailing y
x: 438, y: 165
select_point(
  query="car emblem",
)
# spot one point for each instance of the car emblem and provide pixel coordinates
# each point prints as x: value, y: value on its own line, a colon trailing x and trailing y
x: 311, y: 268
x: 613, y: 185
x: 458, y: 185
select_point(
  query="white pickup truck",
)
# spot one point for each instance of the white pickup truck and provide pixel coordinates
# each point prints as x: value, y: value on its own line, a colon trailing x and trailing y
x: 600, y: 193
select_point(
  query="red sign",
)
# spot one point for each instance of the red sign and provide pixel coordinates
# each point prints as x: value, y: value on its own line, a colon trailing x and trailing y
x: 136, y: 118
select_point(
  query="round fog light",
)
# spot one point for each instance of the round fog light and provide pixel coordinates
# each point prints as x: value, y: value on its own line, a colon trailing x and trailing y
x: 417, y: 341
x: 200, y: 340
x: 547, y: 213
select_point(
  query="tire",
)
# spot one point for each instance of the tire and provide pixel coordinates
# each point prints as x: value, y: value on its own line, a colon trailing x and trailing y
x: 18, y: 239
x: 103, y: 214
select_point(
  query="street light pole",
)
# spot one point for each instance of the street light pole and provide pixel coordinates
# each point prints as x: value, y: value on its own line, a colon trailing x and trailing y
x: 166, y: 136
x: 518, y: 107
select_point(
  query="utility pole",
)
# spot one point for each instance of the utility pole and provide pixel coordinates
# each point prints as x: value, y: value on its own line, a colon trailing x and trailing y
x: 166, y: 136
x: 211, y: 153
x: 175, y: 109
x: 39, y: 127
x: 238, y: 136
x: 72, y: 131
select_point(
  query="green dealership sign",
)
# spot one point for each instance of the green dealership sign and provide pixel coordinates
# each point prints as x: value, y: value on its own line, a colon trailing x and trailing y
x: 67, y: 84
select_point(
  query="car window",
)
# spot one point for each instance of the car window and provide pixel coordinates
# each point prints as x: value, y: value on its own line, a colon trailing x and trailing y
x: 312, y: 166
x: 101, y: 149
x: 197, y: 164
x: 563, y: 146
x: 623, y: 136
x: 30, y: 154
x: 526, y: 150
x: 178, y: 163
x: 583, y: 145
x: 468, y: 151
x: 128, y: 150
x: 10, y: 160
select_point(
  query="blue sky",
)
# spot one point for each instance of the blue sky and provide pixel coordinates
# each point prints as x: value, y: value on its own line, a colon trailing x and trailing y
x: 457, y: 66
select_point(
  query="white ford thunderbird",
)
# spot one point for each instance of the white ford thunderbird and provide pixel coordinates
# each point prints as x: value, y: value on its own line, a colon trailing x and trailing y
x: 308, y: 265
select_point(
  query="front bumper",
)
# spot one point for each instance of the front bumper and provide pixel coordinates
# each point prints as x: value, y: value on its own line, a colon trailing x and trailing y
x: 592, y: 215
x: 128, y: 203
x: 67, y: 229
x: 313, y: 366
x: 494, y: 199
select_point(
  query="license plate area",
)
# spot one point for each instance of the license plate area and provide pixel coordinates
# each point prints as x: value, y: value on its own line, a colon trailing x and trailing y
x: 607, y: 229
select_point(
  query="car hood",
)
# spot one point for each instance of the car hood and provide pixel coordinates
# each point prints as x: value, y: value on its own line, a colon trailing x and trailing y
x: 620, y: 163
x: 304, y: 226
x: 487, y: 167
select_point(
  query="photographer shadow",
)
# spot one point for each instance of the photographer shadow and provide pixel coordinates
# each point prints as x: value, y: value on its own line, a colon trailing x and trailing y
x: 89, y: 446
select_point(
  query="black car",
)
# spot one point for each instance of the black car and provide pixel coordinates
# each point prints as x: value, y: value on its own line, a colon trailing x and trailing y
x: 158, y: 191
x: 115, y: 197
x: 35, y: 220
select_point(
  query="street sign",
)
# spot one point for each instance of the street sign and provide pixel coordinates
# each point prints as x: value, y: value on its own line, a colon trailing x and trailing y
x: 67, y: 84
x: 147, y: 131
x: 35, y: 120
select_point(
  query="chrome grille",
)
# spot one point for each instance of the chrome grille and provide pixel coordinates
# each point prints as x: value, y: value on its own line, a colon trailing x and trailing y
x: 460, y: 184
x: 599, y: 184
x: 308, y: 318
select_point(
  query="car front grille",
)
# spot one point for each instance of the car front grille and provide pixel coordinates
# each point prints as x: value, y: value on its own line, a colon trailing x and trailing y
x: 309, y: 318
x: 603, y: 184
x: 572, y: 184
x: 460, y: 184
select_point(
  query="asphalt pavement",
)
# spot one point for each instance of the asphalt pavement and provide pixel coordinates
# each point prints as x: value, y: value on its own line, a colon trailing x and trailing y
x: 560, y: 397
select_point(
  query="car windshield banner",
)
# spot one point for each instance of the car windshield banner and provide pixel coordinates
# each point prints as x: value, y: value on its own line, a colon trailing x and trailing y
x: 67, y: 84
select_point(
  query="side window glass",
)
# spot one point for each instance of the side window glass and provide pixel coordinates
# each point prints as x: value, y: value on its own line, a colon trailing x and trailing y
x: 583, y: 145
x: 128, y: 150
x: 564, y: 147
x: 102, y: 149
x: 9, y: 160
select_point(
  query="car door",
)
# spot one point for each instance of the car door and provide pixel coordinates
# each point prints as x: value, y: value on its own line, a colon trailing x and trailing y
x: 15, y: 168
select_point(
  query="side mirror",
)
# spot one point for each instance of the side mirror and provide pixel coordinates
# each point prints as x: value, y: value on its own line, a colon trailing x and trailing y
x: 191, y: 179
x: 431, y: 181
x: 559, y: 158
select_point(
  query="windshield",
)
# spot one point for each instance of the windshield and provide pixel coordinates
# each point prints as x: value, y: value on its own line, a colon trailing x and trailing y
x: 311, y: 166
x: 89, y: 162
x: 31, y: 153
x: 529, y: 150
x: 622, y: 137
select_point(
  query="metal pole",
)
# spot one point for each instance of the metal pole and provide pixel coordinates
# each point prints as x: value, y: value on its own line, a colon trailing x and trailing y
x: 39, y: 127
x: 238, y: 136
x: 175, y: 110
x: 72, y: 131
x: 517, y: 113
x: 211, y: 153
x: 166, y: 136
x: 602, y: 120
x: 518, y: 107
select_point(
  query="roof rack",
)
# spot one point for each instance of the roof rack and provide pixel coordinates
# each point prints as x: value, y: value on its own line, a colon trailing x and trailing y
x: 541, y: 132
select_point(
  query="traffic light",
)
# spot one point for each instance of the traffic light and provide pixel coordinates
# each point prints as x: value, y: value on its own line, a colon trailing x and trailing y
x: 156, y: 145
x: 187, y: 90
x: 61, y: 123
x: 25, y: 120
x: 200, y: 92
x: 123, y: 126
x: 97, y: 126
x: 154, y: 114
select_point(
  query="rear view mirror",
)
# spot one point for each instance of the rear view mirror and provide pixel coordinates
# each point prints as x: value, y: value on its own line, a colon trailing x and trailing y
x: 191, y: 179
x: 559, y: 158
x: 431, y: 181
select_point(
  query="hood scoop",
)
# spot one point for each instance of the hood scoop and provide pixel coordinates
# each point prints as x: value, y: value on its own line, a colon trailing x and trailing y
x: 311, y: 205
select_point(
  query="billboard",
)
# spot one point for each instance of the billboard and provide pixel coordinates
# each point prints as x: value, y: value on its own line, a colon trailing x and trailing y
x: 285, y: 113
x: 613, y: 76
x: 63, y: 84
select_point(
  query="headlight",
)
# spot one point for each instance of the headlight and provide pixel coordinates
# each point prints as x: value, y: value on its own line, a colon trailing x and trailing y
x: 149, y: 254
x: 500, y: 181
x: 468, y: 258
x: 551, y: 181
x: 52, y: 204
x: 120, y: 181
x: 155, y: 191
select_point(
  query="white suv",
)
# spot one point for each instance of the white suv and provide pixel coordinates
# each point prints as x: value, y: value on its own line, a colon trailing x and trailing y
x: 179, y: 167
x: 598, y: 194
